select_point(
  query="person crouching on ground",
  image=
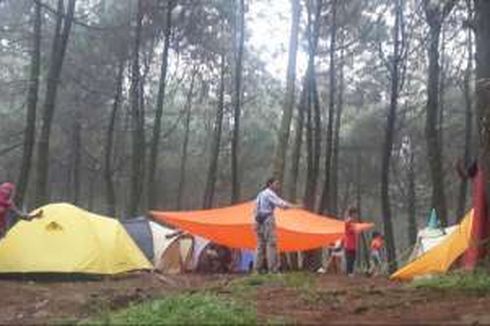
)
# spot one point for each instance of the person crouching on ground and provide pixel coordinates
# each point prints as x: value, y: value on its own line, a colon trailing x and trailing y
x: 265, y: 226
x: 7, y: 194
x: 335, y: 257
x: 376, y: 253
x: 350, y: 240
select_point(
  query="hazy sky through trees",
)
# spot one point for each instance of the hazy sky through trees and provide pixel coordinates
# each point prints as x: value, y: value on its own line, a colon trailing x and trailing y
x: 269, y: 23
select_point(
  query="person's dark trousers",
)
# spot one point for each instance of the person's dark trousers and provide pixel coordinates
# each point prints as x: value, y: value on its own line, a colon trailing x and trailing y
x: 350, y: 259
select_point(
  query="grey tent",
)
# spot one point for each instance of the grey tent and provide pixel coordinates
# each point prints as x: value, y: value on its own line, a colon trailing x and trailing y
x: 139, y: 229
x: 169, y: 250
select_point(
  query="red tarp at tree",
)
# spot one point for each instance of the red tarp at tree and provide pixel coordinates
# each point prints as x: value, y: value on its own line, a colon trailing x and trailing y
x: 233, y: 226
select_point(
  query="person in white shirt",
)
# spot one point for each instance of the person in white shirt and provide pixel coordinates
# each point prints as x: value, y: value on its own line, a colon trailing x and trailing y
x: 265, y: 226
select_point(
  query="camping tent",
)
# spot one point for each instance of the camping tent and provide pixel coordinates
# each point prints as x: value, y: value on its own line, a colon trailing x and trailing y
x: 442, y: 256
x: 139, y: 230
x: 70, y: 240
x: 232, y: 226
x: 169, y: 250
x: 172, y: 251
x: 430, y: 236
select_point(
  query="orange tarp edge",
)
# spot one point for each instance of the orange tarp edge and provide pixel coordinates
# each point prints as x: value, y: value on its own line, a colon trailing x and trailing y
x: 233, y: 226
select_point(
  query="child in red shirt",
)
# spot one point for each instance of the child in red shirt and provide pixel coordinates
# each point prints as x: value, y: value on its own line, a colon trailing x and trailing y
x: 377, y: 245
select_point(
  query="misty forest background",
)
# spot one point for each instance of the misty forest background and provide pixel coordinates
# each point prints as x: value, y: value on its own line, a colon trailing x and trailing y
x: 120, y: 106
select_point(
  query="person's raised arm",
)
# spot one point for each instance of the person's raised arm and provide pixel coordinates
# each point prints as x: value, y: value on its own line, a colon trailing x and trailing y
x: 281, y: 203
x: 25, y: 216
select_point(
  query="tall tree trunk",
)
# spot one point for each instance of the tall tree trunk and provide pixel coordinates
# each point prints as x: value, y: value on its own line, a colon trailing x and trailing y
x: 76, y: 157
x: 298, y: 141
x: 305, y: 105
x: 108, y: 171
x: 389, y: 137
x: 313, y: 175
x: 467, y: 90
x: 363, y: 245
x: 311, y: 258
x: 92, y: 180
x: 317, y: 143
x: 152, y: 180
x: 32, y: 95
x: 482, y: 12
x: 412, y: 219
x: 442, y: 89
x: 314, y: 141
x: 235, y: 142
x: 183, y: 163
x: 137, y: 144
x: 60, y: 43
x: 325, y: 203
x: 283, y: 137
x: 435, y: 15
x: 308, y: 200
x: 215, y: 146
x: 336, y: 137
x: 431, y: 128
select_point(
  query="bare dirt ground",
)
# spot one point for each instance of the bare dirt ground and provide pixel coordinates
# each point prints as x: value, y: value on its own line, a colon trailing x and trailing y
x: 341, y: 300
x: 332, y: 300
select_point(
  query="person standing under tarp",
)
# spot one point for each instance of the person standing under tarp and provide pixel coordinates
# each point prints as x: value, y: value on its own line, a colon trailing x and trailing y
x: 7, y: 206
x: 350, y: 240
x: 265, y: 226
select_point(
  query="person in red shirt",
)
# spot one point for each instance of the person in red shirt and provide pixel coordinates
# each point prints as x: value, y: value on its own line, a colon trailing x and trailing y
x: 350, y: 240
x: 377, y: 245
x: 7, y: 194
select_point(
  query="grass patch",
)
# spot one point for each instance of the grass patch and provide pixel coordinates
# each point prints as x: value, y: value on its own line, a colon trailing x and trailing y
x: 478, y: 281
x: 182, y: 309
x: 292, y: 280
x: 299, y: 280
x: 279, y: 320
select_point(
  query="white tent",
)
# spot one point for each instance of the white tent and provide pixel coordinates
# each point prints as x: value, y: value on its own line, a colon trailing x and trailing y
x: 428, y: 238
x: 171, y: 251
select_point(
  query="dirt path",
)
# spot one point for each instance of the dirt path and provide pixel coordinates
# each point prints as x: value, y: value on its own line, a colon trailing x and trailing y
x: 41, y: 302
x: 331, y: 299
x: 341, y: 300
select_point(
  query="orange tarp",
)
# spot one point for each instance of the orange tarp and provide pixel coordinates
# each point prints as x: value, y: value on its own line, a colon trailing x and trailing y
x: 233, y: 226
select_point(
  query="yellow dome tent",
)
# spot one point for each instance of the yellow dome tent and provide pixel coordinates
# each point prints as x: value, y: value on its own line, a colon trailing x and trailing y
x: 442, y: 256
x: 68, y: 239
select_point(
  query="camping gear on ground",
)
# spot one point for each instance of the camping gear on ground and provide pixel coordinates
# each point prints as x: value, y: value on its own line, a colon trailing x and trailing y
x: 215, y: 258
x: 69, y: 239
x: 169, y: 250
x: 441, y: 257
x: 245, y: 261
x: 232, y: 226
x: 203, y: 252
